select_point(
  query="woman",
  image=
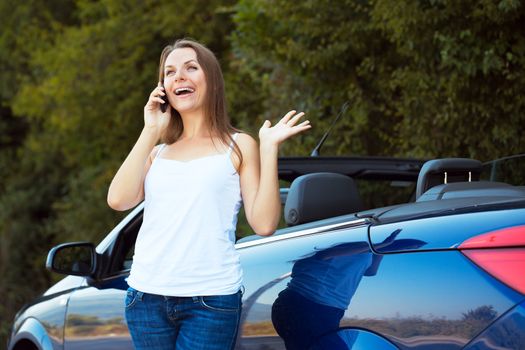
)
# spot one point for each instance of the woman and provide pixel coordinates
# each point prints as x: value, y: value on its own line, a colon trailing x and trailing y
x: 186, y: 278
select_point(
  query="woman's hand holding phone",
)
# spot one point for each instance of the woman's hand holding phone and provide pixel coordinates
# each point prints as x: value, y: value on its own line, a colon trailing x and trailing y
x: 156, y: 111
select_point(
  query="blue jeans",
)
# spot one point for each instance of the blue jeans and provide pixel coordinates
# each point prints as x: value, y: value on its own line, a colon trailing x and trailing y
x: 183, y: 323
x: 306, y: 325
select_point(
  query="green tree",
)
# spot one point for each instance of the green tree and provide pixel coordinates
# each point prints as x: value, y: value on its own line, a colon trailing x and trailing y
x: 424, y: 78
x: 315, y: 56
x: 460, y: 88
x: 27, y: 184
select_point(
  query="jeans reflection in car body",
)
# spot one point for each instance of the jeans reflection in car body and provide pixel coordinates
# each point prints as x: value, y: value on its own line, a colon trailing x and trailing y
x: 157, y: 320
x: 315, y: 300
x: 307, y: 313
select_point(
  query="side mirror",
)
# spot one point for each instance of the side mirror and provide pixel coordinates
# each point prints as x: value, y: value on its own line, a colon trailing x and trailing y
x: 77, y: 259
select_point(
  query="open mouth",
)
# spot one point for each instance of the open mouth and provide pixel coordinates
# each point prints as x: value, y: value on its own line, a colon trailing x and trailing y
x: 184, y: 91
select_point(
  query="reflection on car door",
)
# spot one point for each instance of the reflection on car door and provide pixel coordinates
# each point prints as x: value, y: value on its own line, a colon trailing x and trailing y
x: 311, y: 267
x: 95, y: 317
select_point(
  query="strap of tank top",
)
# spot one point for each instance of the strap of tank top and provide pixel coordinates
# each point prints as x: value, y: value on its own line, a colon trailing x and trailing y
x: 160, y: 150
x: 230, y: 149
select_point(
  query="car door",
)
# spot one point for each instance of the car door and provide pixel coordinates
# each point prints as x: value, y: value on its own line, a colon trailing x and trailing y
x: 95, y: 318
x: 324, y: 267
x: 95, y: 314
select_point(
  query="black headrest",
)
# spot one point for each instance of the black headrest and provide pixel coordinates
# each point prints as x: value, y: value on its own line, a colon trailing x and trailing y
x: 319, y: 196
x: 439, y: 171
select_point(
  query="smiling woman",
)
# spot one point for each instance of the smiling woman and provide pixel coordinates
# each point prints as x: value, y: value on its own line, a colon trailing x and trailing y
x: 186, y: 278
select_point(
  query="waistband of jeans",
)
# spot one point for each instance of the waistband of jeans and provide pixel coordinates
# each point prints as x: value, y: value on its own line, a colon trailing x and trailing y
x: 181, y: 298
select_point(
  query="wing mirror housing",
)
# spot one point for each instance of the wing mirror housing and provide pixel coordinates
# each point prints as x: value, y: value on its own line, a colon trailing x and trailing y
x: 78, y: 259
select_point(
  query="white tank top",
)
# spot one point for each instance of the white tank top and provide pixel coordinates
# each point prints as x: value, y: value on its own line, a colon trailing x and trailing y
x: 185, y: 246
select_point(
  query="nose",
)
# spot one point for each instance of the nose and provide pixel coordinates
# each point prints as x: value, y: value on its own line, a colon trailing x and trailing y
x: 179, y: 75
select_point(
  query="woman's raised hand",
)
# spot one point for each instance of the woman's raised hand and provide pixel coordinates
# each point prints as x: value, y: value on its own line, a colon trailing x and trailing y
x: 154, y: 119
x: 285, y: 128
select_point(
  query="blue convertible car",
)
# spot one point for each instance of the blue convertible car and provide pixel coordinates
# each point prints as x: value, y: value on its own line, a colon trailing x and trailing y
x: 375, y: 253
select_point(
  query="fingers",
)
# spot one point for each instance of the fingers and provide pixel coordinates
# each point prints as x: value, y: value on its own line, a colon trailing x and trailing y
x: 287, y: 117
x: 267, y: 124
x: 305, y: 123
x: 158, y: 99
x: 296, y: 129
x: 155, y: 95
x: 291, y: 118
x: 301, y: 127
x: 158, y: 91
x: 295, y: 119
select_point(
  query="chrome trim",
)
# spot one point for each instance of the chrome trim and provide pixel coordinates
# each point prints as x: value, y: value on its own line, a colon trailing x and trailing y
x: 327, y: 228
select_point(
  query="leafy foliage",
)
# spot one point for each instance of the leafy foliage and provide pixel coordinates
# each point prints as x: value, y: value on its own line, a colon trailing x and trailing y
x: 424, y: 78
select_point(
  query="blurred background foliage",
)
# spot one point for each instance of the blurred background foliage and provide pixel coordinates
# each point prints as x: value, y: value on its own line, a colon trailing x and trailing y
x: 423, y: 78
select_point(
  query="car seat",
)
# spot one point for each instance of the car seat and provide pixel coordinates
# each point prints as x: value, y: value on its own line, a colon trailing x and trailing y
x: 459, y: 178
x: 319, y: 196
x: 442, y: 171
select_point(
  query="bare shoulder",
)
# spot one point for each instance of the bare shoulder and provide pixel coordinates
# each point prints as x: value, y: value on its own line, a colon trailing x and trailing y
x: 249, y: 150
x: 154, y: 152
x: 246, y: 142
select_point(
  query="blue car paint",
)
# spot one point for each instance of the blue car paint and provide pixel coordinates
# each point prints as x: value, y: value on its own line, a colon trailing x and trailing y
x: 505, y: 333
x: 403, y: 300
x: 445, y: 232
x: 421, y: 300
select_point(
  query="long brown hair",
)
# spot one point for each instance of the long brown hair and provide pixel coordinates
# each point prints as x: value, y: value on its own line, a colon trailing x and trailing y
x: 215, y: 111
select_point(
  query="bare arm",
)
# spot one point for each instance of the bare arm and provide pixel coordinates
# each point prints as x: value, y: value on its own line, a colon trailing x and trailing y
x: 259, y: 176
x: 127, y: 188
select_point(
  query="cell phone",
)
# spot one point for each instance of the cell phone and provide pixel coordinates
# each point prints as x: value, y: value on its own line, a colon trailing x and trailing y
x: 164, y: 106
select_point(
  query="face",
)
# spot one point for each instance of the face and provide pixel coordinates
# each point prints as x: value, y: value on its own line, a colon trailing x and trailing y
x: 184, y: 81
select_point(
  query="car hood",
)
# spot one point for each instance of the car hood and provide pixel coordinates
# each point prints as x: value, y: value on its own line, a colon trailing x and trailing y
x: 66, y: 284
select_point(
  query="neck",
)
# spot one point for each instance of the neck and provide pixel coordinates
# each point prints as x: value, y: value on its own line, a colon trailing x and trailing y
x: 195, y: 125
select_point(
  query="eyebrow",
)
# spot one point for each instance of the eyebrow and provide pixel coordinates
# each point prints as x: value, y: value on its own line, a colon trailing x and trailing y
x: 192, y: 60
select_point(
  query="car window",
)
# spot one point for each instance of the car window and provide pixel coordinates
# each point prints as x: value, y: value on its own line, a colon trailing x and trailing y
x: 122, y: 251
x: 510, y: 170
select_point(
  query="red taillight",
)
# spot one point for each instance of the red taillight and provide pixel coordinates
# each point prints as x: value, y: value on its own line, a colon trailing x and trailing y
x: 507, y: 265
x: 506, y: 237
x: 497, y: 253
